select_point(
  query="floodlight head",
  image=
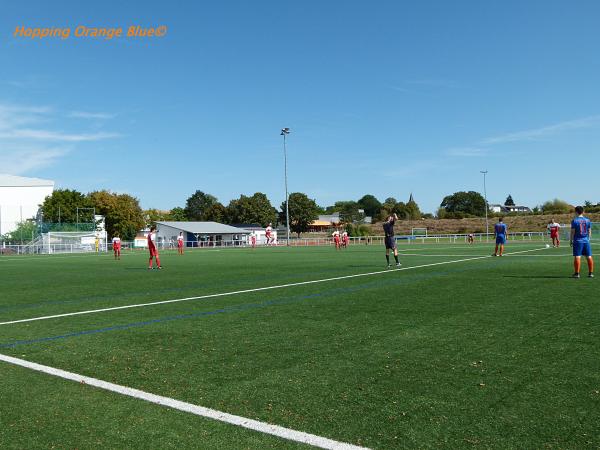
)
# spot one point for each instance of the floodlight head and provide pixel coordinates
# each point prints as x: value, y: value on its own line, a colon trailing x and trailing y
x: 285, y: 131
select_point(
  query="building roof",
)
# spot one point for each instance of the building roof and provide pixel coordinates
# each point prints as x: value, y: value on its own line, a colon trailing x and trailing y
x: 16, y: 181
x: 204, y: 227
x: 320, y: 223
x: 331, y: 218
x: 248, y: 226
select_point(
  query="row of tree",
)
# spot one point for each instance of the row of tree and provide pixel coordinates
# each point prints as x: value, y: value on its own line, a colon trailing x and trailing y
x: 472, y: 204
x: 124, y: 216
x: 122, y: 212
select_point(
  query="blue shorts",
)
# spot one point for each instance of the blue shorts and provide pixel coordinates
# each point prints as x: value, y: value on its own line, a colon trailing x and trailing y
x: 500, y: 239
x: 582, y: 248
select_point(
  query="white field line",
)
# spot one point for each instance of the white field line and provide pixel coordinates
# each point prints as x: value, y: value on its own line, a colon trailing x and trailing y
x: 477, y: 246
x: 103, y: 255
x: 247, y: 291
x: 506, y: 254
x: 255, y: 425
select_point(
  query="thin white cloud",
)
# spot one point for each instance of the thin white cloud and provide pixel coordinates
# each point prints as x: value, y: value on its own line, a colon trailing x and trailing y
x: 467, y: 152
x: 543, y: 132
x: 19, y: 160
x: 27, y: 146
x: 441, y: 83
x: 47, y: 135
x: 401, y: 89
x: 91, y: 115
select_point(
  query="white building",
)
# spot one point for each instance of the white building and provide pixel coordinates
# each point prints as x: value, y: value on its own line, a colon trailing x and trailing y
x: 200, y: 234
x: 509, y: 208
x: 20, y: 198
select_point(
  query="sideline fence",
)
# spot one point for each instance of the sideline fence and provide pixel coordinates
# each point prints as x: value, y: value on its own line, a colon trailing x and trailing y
x: 128, y: 246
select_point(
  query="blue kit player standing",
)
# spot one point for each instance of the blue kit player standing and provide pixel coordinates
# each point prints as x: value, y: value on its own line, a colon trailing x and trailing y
x: 500, y: 231
x: 581, y: 231
x: 390, y: 240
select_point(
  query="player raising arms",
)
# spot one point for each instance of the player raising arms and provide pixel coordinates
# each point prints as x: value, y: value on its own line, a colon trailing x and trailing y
x: 116, y: 245
x: 501, y: 232
x: 269, y: 234
x: 390, y: 240
x: 180, y: 243
x: 581, y: 232
x: 554, y: 228
x: 152, y: 249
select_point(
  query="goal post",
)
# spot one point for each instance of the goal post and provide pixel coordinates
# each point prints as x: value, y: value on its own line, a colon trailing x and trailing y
x: 73, y: 242
x: 565, y: 232
x: 418, y: 232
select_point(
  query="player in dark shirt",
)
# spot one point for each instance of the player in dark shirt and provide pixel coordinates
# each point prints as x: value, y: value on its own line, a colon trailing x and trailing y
x: 390, y: 240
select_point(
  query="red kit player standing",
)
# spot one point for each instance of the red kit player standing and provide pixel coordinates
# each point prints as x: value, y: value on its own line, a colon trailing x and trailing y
x: 152, y: 249
x: 180, y: 243
x: 554, y: 229
x: 116, y: 244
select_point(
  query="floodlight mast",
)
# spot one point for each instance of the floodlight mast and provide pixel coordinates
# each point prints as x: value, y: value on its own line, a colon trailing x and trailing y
x: 284, y: 133
x: 487, y: 226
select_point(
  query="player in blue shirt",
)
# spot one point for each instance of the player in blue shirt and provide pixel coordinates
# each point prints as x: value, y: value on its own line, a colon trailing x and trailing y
x: 581, y: 232
x: 501, y: 233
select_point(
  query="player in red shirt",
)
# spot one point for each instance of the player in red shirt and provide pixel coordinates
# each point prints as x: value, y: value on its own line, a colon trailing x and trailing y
x: 269, y: 235
x: 336, y: 239
x: 345, y: 239
x: 152, y: 249
x: 253, y: 240
x: 180, y: 243
x: 554, y: 230
x: 116, y: 245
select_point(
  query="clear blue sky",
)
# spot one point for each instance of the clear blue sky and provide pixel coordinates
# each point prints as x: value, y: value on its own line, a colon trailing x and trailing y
x: 382, y: 97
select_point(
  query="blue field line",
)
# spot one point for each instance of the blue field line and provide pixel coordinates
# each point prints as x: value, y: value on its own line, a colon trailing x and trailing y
x: 117, y: 295
x: 243, y: 307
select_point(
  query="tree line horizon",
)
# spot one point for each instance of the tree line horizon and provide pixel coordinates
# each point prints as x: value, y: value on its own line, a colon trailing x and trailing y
x: 125, y: 217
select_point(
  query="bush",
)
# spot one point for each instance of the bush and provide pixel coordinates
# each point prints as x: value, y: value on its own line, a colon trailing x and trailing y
x: 358, y: 230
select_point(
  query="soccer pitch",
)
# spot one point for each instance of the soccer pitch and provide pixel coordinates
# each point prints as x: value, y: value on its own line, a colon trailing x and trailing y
x: 457, y: 349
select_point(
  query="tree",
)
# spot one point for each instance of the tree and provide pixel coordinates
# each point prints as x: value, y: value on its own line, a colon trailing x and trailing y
x: 370, y: 205
x: 303, y: 211
x: 509, y: 201
x: 122, y: 213
x: 177, y: 214
x: 153, y: 215
x: 26, y: 231
x: 350, y: 214
x: 413, y: 211
x: 197, y: 205
x: 464, y: 203
x: 556, y: 206
x: 215, y: 213
x: 255, y: 209
x: 61, y: 206
x: 401, y: 211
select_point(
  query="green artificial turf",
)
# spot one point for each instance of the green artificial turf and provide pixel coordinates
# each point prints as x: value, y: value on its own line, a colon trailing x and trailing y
x: 486, y: 353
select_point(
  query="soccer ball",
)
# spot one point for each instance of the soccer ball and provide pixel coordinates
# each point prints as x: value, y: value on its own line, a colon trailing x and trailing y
x: 547, y: 245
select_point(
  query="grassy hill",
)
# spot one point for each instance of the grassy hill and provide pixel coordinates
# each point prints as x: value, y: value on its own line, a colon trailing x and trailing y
x: 528, y: 222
